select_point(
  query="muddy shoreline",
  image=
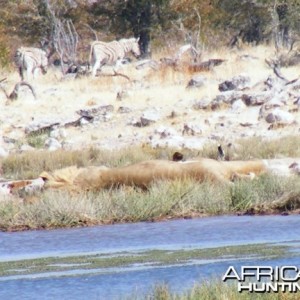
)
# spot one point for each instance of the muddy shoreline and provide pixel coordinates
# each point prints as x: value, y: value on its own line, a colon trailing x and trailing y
x: 254, y: 211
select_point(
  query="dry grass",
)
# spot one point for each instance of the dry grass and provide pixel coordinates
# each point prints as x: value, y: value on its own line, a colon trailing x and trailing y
x: 214, y: 290
x: 30, y: 164
x: 162, y: 90
x: 163, y: 200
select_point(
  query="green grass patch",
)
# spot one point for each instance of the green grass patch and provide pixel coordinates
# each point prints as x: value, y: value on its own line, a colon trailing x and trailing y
x: 127, y: 259
x: 164, y: 200
x: 213, y: 290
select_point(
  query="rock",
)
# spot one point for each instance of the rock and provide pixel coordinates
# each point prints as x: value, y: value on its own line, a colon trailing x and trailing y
x: 147, y: 63
x: 165, y: 132
x: 84, y: 121
x: 52, y: 144
x: 273, y: 103
x: 124, y: 110
x: 280, y: 116
x: 9, y: 140
x: 95, y: 111
x: 122, y: 94
x: 191, y: 129
x: 151, y: 115
x: 58, y: 133
x: 228, y: 97
x: 236, y: 83
x: 39, y: 127
x: 257, y: 98
x: 203, y: 103
x: 3, y: 152
x: 25, y: 148
x: 238, y: 106
x: 147, y: 118
x: 196, y: 81
x: 295, y: 168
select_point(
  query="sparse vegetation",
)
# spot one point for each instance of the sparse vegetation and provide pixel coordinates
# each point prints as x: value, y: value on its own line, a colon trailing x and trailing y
x: 221, y: 30
x: 52, y: 209
x: 153, y: 258
x: 214, y: 289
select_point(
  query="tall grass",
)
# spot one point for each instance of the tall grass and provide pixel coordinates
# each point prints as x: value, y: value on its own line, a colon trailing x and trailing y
x: 163, y: 200
x: 214, y: 290
x: 31, y: 164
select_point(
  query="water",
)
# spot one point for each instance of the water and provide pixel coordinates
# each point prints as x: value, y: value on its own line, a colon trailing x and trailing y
x: 113, y: 283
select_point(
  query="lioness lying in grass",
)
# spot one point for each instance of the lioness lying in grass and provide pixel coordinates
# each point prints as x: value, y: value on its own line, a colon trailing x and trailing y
x: 144, y: 173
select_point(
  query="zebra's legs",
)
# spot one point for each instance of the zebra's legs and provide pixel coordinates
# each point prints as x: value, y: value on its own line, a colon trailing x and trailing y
x: 21, y: 72
x: 96, y: 66
x: 118, y: 64
x: 35, y: 72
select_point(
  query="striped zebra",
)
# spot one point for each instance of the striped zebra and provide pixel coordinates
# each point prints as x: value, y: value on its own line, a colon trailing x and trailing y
x: 31, y: 59
x: 111, y: 53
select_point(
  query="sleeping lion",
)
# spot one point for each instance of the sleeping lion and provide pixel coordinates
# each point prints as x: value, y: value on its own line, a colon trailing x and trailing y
x: 144, y: 173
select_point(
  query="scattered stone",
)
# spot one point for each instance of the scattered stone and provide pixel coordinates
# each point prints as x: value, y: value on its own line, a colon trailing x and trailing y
x: 8, y: 140
x: 228, y: 97
x: 257, y: 98
x: 52, y: 144
x: 273, y: 103
x: 203, y: 103
x: 142, y: 122
x: 124, y: 110
x: 147, y: 63
x: 40, y: 127
x: 122, y: 94
x: 196, y: 81
x: 165, y: 132
x: 95, y: 111
x: 58, y: 133
x: 151, y: 115
x: 3, y: 152
x: 173, y: 114
x: 26, y: 147
x: 84, y: 121
x: 238, y: 106
x: 280, y: 117
x: 191, y: 129
x: 295, y: 168
x: 205, y: 65
x: 239, y: 82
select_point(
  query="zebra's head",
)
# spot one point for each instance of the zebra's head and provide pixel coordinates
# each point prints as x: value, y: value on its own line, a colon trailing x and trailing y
x: 136, y: 47
x: 44, y: 62
x: 131, y: 45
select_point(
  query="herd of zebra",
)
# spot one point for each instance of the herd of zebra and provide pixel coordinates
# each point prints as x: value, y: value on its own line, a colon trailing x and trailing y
x: 101, y: 53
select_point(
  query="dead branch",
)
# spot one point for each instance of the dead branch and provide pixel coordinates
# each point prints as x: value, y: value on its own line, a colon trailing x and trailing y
x: 64, y: 38
x: 15, y: 93
x: 206, y: 65
x: 274, y: 65
x: 116, y: 74
x: 198, y: 33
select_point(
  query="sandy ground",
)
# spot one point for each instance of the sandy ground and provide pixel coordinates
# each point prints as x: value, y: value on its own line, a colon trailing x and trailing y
x: 160, y: 94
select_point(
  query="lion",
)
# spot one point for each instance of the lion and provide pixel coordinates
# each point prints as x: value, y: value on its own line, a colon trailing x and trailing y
x: 143, y: 174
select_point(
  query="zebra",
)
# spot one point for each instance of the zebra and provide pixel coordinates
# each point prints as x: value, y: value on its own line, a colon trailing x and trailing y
x: 102, y: 53
x: 31, y: 59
